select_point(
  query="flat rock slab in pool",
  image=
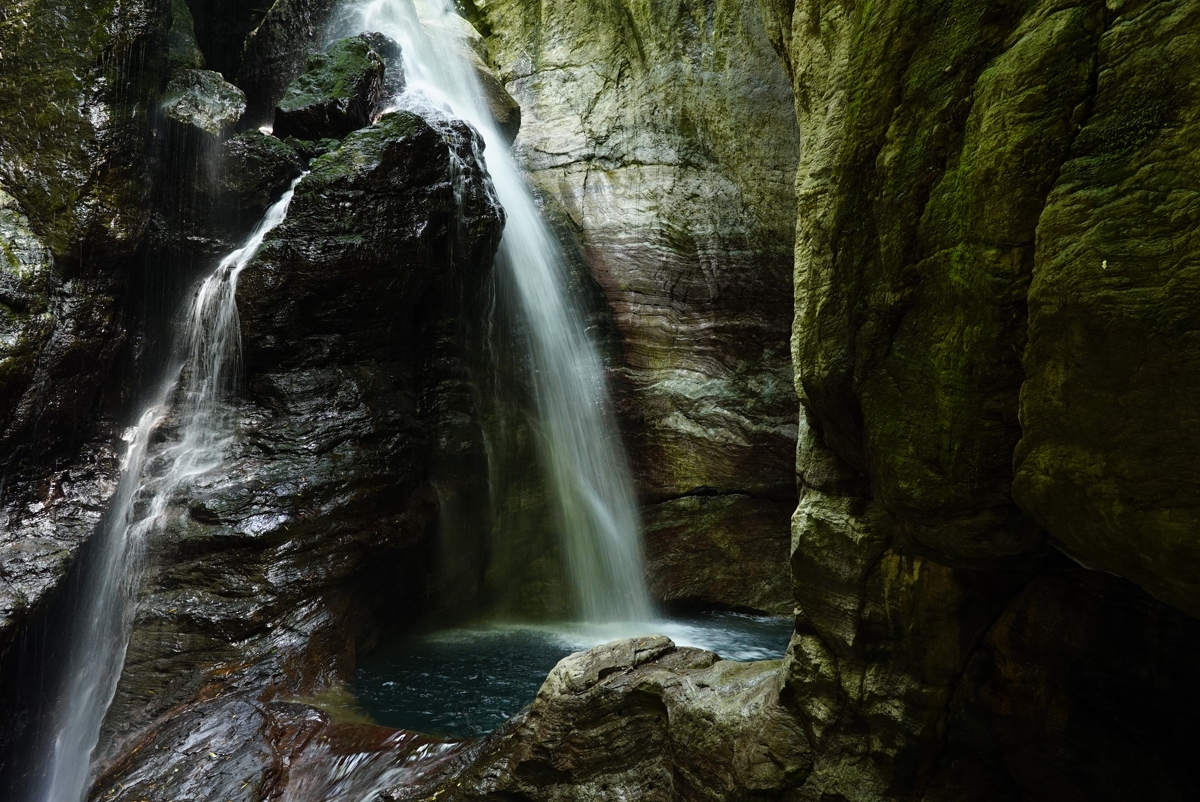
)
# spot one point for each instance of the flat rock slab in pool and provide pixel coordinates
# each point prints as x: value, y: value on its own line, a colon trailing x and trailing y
x: 464, y: 683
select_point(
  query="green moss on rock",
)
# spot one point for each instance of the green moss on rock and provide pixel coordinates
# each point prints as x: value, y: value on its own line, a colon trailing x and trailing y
x: 340, y: 91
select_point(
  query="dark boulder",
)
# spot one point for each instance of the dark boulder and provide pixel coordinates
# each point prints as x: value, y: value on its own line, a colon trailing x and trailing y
x: 318, y: 529
x: 389, y: 50
x: 256, y: 168
x: 340, y: 91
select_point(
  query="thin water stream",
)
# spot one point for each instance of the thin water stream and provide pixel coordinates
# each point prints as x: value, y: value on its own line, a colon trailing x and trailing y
x: 191, y: 406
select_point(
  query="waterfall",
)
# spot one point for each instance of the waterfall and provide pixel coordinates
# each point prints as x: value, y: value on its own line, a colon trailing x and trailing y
x: 151, y: 479
x: 582, y: 459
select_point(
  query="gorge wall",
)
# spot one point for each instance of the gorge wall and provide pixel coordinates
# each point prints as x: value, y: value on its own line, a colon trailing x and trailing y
x: 976, y: 221
x: 664, y: 135
x: 992, y: 246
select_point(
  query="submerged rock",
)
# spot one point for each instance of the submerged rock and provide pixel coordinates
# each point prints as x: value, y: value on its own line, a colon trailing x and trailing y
x: 203, y: 100
x: 340, y: 91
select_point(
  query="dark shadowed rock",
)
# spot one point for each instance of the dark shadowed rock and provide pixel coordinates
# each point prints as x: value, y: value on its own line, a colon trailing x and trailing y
x: 183, y: 52
x: 275, y: 48
x: 1083, y: 689
x: 340, y: 91
x: 389, y: 50
x: 318, y: 529
x: 993, y: 354
x: 727, y: 550
x: 1108, y: 462
x: 255, y: 170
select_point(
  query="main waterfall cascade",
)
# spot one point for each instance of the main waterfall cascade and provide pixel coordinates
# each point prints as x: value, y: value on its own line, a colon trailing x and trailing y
x: 585, y: 469
x: 191, y: 404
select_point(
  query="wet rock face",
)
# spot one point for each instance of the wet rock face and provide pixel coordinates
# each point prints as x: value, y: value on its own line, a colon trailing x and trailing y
x: 239, y: 750
x: 76, y: 83
x: 340, y: 91
x: 256, y: 169
x: 667, y: 138
x: 317, y: 530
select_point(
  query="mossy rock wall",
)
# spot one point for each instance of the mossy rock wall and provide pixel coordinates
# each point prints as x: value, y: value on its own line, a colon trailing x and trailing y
x: 979, y: 386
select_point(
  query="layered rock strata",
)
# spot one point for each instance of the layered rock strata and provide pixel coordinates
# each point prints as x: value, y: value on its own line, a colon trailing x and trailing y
x: 666, y: 137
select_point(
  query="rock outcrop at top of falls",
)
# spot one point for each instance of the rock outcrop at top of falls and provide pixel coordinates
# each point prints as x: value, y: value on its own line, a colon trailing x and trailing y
x: 341, y: 90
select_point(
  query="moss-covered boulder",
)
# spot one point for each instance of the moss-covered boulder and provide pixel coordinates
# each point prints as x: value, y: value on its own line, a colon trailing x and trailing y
x: 340, y: 91
x: 204, y: 100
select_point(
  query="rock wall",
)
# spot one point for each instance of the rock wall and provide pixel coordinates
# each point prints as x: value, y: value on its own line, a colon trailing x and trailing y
x: 76, y: 84
x: 988, y: 349
x: 666, y: 138
x: 320, y: 533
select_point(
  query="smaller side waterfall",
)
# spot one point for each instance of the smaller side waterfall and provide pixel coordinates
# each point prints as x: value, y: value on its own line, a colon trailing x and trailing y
x: 150, y: 480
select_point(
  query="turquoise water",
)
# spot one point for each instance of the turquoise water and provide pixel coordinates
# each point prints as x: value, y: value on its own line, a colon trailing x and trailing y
x: 464, y: 683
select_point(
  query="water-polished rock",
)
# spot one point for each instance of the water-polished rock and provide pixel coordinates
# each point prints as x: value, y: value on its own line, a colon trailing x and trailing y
x: 633, y: 719
x: 318, y: 528
x: 340, y: 91
x: 78, y: 84
x: 639, y: 719
x: 255, y: 170
x: 236, y: 749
